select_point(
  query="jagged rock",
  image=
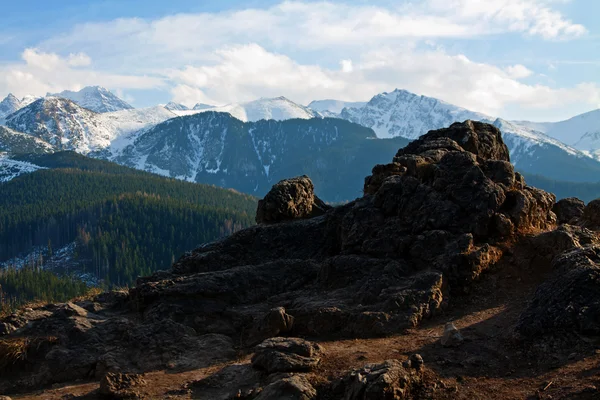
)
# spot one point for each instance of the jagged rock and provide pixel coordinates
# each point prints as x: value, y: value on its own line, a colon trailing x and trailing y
x: 452, y: 336
x: 591, y: 214
x: 287, y: 355
x: 121, y: 386
x: 386, y: 381
x: 570, y: 300
x: 290, y: 199
x: 568, y: 210
x: 566, y: 237
x: 293, y: 387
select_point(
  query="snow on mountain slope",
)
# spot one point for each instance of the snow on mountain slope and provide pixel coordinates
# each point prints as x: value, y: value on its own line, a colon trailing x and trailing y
x: 401, y: 113
x: 10, y: 169
x: 13, y: 142
x: 171, y: 106
x: 9, y: 105
x: 67, y: 126
x: 278, y: 108
x: 95, y: 98
x: 27, y: 100
x: 332, y: 108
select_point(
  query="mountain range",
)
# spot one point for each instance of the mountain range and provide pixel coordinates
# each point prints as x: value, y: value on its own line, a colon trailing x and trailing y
x: 250, y: 146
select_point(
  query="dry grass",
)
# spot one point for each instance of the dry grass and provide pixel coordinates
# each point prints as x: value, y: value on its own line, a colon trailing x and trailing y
x: 18, y: 349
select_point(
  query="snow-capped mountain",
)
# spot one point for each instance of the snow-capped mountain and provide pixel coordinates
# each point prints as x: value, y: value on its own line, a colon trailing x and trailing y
x: 95, y: 98
x: 9, y: 105
x: 278, y: 108
x: 333, y: 108
x: 172, y: 106
x: 216, y: 148
x: 581, y: 132
x: 404, y: 114
x: 68, y: 126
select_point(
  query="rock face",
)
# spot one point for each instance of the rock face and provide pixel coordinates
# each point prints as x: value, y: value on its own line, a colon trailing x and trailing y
x: 287, y: 355
x: 570, y: 300
x: 290, y: 199
x: 430, y: 223
x: 568, y: 210
x: 386, y: 381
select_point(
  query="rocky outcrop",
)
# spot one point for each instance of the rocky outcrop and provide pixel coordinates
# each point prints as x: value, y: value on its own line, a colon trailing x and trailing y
x: 569, y: 210
x: 287, y: 355
x: 430, y: 223
x: 386, y: 381
x: 290, y: 199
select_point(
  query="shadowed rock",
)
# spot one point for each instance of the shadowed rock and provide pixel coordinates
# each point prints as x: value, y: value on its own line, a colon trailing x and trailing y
x: 290, y: 199
x: 568, y: 210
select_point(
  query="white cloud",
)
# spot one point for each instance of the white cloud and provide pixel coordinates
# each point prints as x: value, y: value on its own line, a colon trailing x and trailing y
x: 79, y: 60
x: 306, y: 51
x: 346, y: 65
x: 42, y: 72
x: 518, y: 71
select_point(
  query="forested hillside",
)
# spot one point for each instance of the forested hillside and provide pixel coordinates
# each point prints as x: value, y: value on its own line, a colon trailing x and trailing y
x: 120, y: 223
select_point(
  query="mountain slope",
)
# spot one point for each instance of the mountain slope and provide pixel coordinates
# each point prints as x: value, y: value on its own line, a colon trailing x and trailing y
x: 171, y: 106
x: 122, y: 222
x: 95, y: 98
x: 219, y: 149
x: 13, y: 142
x: 404, y: 114
x: 68, y: 126
x: 10, y: 169
x: 9, y: 105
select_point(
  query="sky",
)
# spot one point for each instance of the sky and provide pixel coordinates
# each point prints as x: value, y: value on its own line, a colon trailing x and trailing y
x: 517, y: 59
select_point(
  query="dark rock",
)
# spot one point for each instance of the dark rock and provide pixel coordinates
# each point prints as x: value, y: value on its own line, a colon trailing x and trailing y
x: 568, y: 210
x: 292, y: 387
x: 121, y: 386
x: 570, y: 300
x: 290, y: 199
x: 233, y: 381
x: 287, y: 355
x: 386, y: 381
x: 591, y: 214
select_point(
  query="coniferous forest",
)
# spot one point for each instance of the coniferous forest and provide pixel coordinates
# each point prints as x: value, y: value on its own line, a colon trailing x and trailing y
x: 118, y: 222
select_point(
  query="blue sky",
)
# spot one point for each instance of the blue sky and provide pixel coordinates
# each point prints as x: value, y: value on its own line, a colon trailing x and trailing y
x: 518, y: 59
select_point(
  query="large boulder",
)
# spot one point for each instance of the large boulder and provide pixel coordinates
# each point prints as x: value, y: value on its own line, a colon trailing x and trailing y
x: 591, y: 214
x: 287, y: 355
x: 290, y: 199
x: 568, y: 210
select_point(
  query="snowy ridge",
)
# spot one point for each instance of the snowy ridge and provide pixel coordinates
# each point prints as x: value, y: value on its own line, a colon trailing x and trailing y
x: 68, y: 126
x: 95, y: 98
x: 278, y: 109
x: 171, y: 106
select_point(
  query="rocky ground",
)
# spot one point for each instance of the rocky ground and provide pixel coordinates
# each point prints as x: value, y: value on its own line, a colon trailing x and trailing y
x: 450, y: 278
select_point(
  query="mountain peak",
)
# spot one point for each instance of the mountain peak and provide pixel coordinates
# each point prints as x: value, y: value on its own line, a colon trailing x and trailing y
x: 95, y: 98
x: 9, y: 105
